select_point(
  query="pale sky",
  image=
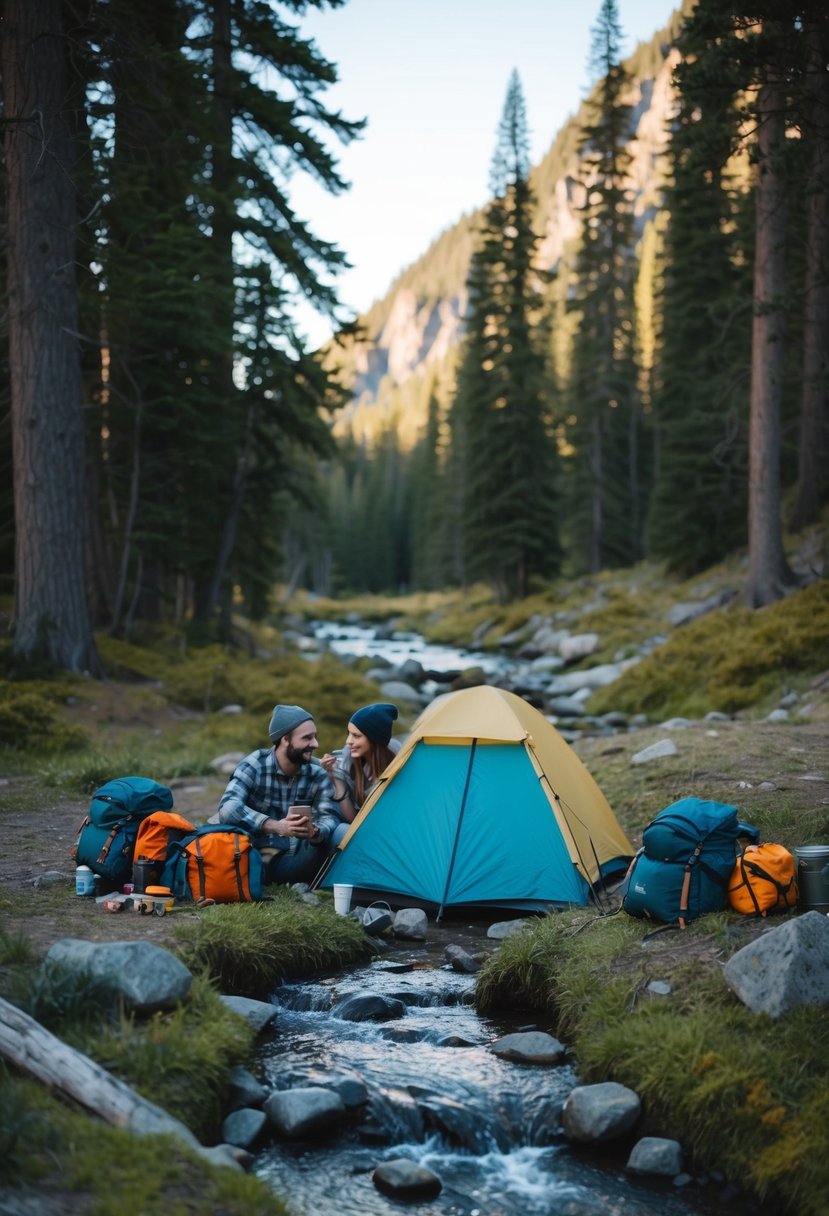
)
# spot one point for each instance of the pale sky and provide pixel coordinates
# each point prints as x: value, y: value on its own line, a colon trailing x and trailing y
x: 431, y: 76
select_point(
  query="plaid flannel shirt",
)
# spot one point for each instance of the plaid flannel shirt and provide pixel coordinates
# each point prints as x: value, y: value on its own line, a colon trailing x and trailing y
x: 259, y: 790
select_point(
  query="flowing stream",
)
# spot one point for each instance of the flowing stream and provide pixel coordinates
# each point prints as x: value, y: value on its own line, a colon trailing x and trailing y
x: 432, y: 1089
x: 435, y: 1092
x: 362, y: 640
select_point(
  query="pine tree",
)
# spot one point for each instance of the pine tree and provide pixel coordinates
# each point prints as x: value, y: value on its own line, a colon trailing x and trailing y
x: 698, y: 503
x: 502, y: 447
x: 607, y: 489
x: 202, y: 113
x: 813, y: 437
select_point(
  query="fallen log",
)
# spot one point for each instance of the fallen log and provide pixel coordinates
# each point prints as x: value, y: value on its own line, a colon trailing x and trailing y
x: 35, y: 1051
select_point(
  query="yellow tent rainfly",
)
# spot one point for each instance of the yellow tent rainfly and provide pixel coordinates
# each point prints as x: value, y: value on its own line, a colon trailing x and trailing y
x: 485, y: 804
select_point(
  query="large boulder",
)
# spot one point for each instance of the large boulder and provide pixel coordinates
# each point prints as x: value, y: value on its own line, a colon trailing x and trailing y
x: 786, y: 967
x: 144, y: 977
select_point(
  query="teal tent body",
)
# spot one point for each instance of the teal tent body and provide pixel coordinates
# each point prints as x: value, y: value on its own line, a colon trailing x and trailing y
x: 470, y: 812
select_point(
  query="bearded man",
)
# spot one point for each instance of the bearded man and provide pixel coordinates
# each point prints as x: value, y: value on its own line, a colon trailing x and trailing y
x: 284, y: 798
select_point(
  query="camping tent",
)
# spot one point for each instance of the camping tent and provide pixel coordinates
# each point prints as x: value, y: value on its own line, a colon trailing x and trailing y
x: 485, y: 803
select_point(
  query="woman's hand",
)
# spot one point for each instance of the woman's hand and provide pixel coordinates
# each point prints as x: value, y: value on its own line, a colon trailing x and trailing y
x: 328, y: 761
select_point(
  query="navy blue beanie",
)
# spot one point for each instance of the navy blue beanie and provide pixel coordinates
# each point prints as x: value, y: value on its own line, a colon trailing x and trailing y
x: 375, y: 721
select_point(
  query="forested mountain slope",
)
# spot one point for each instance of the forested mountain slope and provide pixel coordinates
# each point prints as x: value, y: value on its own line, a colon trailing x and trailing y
x: 413, y: 331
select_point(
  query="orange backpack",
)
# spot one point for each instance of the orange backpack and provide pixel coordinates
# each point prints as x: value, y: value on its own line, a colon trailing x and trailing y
x: 157, y: 832
x: 763, y: 880
x: 215, y: 863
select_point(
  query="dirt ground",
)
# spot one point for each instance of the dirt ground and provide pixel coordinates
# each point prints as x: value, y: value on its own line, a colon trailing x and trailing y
x: 39, y: 828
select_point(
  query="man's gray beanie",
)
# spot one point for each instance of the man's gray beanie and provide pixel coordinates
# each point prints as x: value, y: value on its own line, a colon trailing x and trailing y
x: 286, y: 718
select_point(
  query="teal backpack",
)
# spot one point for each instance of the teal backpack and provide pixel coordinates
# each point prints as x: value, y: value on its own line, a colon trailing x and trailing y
x: 685, y: 863
x: 106, y: 838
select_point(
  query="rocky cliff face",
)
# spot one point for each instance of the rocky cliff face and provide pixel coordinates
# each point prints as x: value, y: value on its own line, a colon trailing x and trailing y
x: 411, y: 332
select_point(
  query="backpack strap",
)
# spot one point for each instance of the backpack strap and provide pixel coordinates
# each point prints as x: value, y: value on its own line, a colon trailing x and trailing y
x: 744, y: 865
x: 783, y: 889
x: 237, y: 867
x: 200, y: 868
x: 107, y: 845
x: 682, y: 918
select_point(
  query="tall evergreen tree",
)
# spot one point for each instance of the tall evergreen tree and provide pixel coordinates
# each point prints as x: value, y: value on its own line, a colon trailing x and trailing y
x: 205, y: 110
x: 813, y: 439
x: 501, y: 413
x: 768, y: 572
x: 607, y: 489
x: 428, y: 514
x: 698, y: 503
x: 51, y: 617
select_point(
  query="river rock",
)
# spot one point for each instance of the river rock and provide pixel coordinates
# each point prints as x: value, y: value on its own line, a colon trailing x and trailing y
x: 505, y: 928
x: 600, y: 1112
x: 529, y: 1047
x: 411, y: 671
x: 227, y: 762
x: 546, y: 663
x: 404, y: 1179
x: 654, y: 1155
x: 566, y: 707
x: 145, y: 977
x: 578, y: 646
x: 296, y: 1113
x: 353, y: 1092
x: 663, y: 747
x: 460, y: 960
x: 243, y: 1127
x: 369, y: 1007
x: 590, y: 678
x: 786, y: 967
x: 398, y: 690
x: 546, y: 640
x: 52, y: 878
x: 258, y: 1014
x: 244, y: 1090
x: 402, y: 1034
x: 228, y: 1156
x: 411, y: 924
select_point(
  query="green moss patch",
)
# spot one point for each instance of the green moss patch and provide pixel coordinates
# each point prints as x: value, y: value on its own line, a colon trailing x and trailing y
x: 250, y: 948
x: 743, y: 1093
x: 728, y: 660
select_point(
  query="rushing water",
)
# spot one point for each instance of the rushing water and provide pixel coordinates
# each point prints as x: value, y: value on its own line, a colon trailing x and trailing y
x: 436, y: 1093
x: 361, y: 640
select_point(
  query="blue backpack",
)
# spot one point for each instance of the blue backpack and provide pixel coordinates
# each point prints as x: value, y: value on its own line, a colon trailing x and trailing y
x: 683, y: 868
x: 106, y: 838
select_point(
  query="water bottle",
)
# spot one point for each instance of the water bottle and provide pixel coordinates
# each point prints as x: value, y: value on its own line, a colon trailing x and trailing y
x: 84, y: 881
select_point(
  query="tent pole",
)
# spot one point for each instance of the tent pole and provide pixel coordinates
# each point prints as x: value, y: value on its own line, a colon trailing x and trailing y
x: 457, y: 831
x: 560, y: 805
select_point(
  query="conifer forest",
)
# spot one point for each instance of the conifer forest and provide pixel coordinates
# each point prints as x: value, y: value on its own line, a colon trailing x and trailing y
x: 171, y: 446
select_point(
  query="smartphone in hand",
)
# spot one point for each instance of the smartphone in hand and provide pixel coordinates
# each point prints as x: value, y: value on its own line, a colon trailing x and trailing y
x: 299, y: 812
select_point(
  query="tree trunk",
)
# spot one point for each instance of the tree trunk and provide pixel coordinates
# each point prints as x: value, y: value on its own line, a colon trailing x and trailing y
x: 814, y: 402
x: 51, y: 611
x: 768, y: 572
x: 223, y: 272
x: 35, y: 1051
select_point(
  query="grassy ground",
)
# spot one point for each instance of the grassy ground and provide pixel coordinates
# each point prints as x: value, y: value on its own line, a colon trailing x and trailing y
x: 743, y: 1094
